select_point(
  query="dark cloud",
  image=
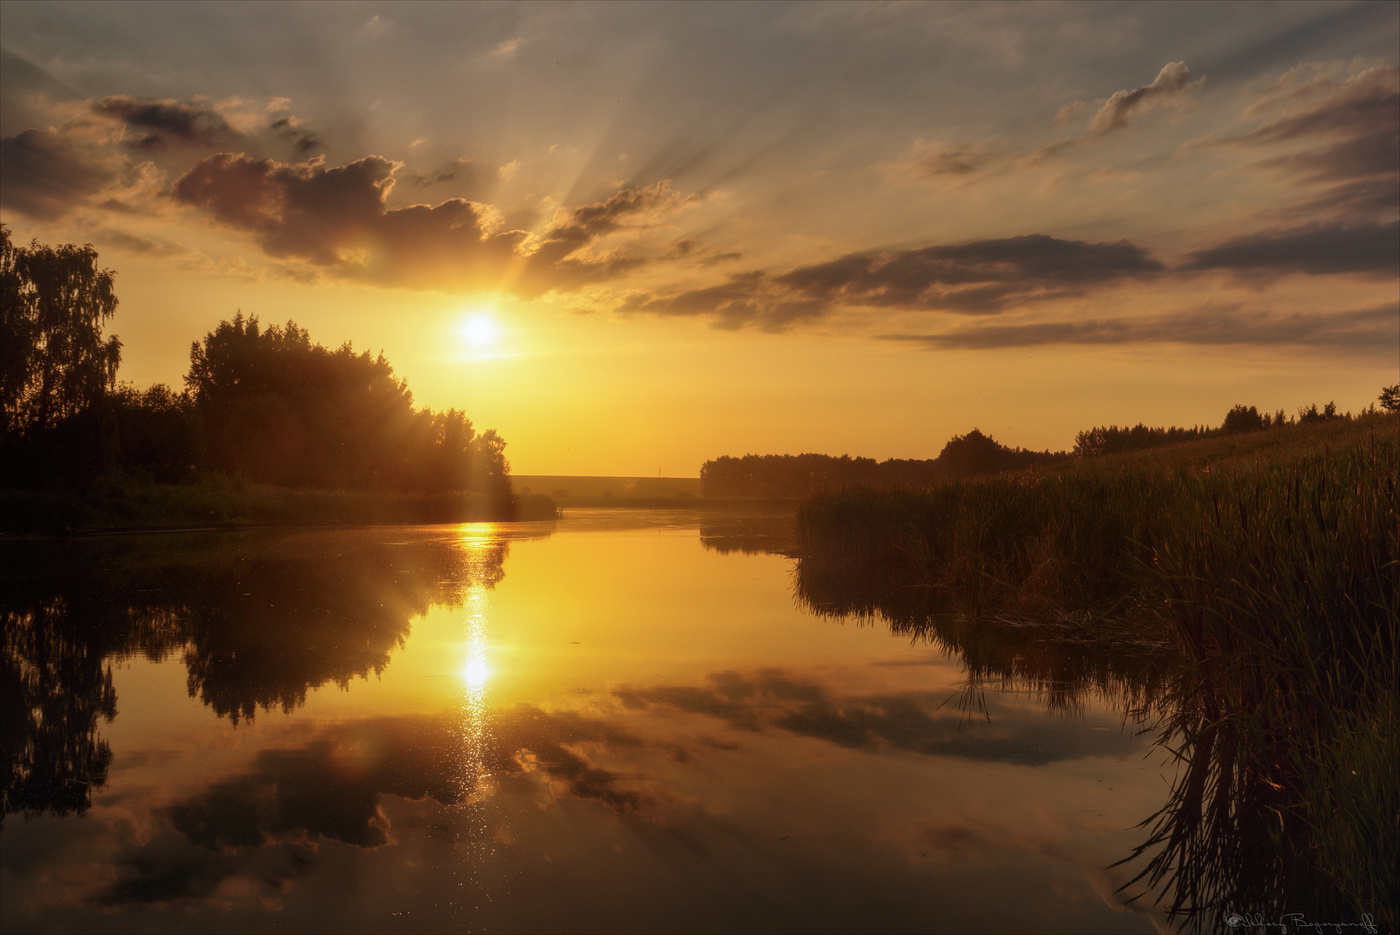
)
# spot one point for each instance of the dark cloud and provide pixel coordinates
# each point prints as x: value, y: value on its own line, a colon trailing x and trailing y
x: 164, y: 122
x: 45, y: 174
x: 1363, y: 156
x: 463, y: 174
x: 747, y: 298
x: 1363, y: 329
x: 981, y: 277
x: 290, y: 130
x: 331, y: 787
x: 336, y: 218
x: 1317, y: 249
x: 919, y: 722
x: 978, y: 277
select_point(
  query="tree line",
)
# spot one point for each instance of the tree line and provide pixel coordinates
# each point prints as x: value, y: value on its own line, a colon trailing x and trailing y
x: 266, y: 404
x: 807, y: 474
x: 973, y: 454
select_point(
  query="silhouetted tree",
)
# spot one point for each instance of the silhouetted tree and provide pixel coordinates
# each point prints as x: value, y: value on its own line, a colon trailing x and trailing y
x: 54, y: 361
x: 1390, y: 398
x: 973, y: 453
x: 157, y: 432
x: 1242, y: 419
x: 279, y: 409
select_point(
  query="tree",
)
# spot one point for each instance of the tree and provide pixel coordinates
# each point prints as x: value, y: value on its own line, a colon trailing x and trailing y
x: 973, y: 453
x: 1390, y: 398
x: 278, y: 409
x: 54, y: 361
x: 1242, y: 419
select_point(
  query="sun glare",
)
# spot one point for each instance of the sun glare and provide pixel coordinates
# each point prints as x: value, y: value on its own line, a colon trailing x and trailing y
x: 475, y: 673
x: 479, y: 331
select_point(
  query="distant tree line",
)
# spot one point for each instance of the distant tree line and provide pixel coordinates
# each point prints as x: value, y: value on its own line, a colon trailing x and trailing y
x: 808, y: 474
x: 264, y: 404
x: 975, y: 454
x: 1110, y: 439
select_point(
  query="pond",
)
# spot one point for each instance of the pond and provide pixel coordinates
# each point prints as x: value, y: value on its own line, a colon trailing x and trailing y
x: 623, y: 721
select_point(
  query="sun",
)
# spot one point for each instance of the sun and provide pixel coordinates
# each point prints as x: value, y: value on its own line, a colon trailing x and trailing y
x: 480, y: 331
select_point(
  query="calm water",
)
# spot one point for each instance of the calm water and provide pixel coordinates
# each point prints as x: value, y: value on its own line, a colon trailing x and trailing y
x: 623, y: 721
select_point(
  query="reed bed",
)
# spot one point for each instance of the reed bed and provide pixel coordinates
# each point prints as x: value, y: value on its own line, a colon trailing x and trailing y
x: 1274, y: 580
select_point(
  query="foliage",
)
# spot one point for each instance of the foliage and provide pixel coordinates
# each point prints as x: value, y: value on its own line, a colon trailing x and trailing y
x: 1390, y: 398
x: 807, y: 474
x: 279, y: 409
x: 54, y: 361
x: 1273, y: 562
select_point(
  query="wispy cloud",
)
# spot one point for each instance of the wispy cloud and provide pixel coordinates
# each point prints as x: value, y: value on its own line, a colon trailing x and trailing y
x: 1375, y: 328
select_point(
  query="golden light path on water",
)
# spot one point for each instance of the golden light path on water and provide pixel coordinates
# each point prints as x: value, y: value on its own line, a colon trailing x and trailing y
x: 477, y: 788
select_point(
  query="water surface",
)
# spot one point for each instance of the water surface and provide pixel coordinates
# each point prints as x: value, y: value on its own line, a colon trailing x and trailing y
x: 623, y: 721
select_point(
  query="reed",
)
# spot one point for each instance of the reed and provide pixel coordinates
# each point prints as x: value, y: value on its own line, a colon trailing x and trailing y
x: 1282, y: 592
x: 1273, y: 569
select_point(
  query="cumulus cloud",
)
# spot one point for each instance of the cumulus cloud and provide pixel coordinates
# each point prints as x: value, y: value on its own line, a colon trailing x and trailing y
x: 1317, y: 249
x: 1362, y: 329
x: 336, y: 218
x: 1172, y: 82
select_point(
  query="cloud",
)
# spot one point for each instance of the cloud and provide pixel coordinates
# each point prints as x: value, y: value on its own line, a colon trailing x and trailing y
x: 1316, y: 249
x: 1364, y: 104
x: 927, y: 160
x: 289, y: 128
x: 919, y: 722
x: 136, y: 243
x: 331, y: 787
x: 167, y: 121
x: 977, y: 278
x: 47, y: 173
x: 1350, y: 131
x: 1172, y: 82
x: 336, y: 218
x: 1362, y: 329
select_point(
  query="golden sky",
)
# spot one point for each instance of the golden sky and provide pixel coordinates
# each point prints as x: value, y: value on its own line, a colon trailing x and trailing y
x: 633, y: 237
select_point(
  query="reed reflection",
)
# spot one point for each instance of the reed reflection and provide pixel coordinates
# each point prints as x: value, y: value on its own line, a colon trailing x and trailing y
x: 1060, y: 663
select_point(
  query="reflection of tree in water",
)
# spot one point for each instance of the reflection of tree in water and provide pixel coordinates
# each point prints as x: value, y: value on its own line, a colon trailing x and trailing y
x: 63, y: 617
x: 269, y: 626
x: 1061, y: 663
x: 262, y: 616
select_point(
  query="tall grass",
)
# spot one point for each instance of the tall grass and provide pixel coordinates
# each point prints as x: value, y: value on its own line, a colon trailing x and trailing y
x: 1282, y: 591
x: 1275, y: 572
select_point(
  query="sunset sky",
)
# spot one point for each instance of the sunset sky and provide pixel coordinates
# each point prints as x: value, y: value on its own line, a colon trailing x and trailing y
x: 632, y: 237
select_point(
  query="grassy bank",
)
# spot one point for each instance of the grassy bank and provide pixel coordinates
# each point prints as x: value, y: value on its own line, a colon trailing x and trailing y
x: 1271, y: 564
x: 120, y: 502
